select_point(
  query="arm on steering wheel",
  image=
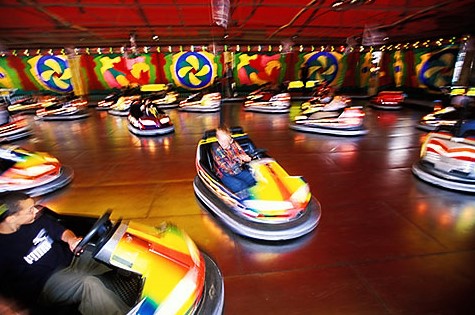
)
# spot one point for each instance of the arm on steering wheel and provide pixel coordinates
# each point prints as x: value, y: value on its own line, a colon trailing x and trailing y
x: 257, y: 154
x: 101, y: 225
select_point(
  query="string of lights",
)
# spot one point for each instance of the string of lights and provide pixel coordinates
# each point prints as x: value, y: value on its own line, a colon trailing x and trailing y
x: 241, y: 48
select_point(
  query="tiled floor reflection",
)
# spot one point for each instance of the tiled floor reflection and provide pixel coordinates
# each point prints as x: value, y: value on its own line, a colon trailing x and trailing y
x: 387, y: 243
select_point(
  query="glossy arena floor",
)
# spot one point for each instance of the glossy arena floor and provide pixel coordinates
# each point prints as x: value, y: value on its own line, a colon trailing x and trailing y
x: 386, y: 244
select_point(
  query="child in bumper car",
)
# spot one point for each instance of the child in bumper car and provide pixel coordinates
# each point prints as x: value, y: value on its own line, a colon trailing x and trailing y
x: 229, y: 160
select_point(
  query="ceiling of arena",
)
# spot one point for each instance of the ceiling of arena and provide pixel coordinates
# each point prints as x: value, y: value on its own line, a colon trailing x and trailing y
x: 31, y: 24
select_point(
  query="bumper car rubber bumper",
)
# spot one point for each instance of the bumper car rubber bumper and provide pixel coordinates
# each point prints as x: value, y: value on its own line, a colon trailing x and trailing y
x: 389, y: 106
x: 259, y: 230
x: 15, y: 134
x: 267, y: 109
x: 427, y: 127
x: 65, y: 177
x: 200, y: 109
x: 442, y: 179
x: 341, y: 131
x: 150, y: 132
x: 212, y: 301
x: 64, y: 117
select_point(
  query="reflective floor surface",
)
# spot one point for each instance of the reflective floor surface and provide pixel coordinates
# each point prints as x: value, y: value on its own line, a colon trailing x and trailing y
x: 386, y: 244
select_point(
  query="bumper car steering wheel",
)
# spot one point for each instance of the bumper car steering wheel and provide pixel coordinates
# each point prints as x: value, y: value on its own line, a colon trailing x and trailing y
x: 257, y: 154
x: 101, y: 225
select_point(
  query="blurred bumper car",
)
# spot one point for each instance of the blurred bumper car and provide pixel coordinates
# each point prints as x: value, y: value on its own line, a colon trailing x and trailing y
x: 34, y: 173
x: 111, y: 99
x: 388, y: 100
x: 154, y: 269
x: 13, y: 127
x: 461, y: 108
x: 161, y: 95
x: 268, y: 101
x: 145, y: 119
x: 279, y: 206
x: 199, y: 102
x: 335, y: 118
x: 447, y: 116
x: 68, y: 110
x: 30, y: 104
x: 447, y: 157
x: 122, y: 106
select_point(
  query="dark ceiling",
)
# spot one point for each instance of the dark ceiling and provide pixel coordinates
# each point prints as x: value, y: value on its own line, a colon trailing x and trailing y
x: 31, y: 24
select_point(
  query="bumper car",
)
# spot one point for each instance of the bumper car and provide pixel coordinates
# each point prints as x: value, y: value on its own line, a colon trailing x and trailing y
x: 279, y: 206
x: 67, y: 110
x: 12, y: 127
x: 447, y: 157
x: 154, y: 269
x: 30, y: 104
x: 34, y: 173
x: 145, y: 119
x: 388, y: 100
x: 111, y: 99
x: 122, y: 106
x: 108, y: 101
x: 335, y: 118
x: 331, y: 100
x: 161, y: 95
x: 268, y: 101
x: 164, y: 100
x: 322, y: 95
x: 445, y: 117
x: 201, y: 102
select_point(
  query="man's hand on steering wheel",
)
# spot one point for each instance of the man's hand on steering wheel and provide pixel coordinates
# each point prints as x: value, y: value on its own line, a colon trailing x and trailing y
x: 74, y: 243
x: 245, y: 158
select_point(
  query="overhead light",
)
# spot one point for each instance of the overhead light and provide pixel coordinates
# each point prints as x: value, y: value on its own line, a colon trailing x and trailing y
x: 155, y: 37
x: 226, y: 36
x: 338, y: 3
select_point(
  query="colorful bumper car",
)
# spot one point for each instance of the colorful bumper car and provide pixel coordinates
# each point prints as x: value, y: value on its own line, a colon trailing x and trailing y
x: 34, y: 173
x: 145, y: 119
x: 108, y: 101
x: 447, y: 116
x: 111, y: 99
x: 70, y: 109
x: 460, y: 108
x: 279, y: 206
x: 153, y: 269
x: 30, y: 104
x: 447, y: 157
x: 202, y: 102
x: 12, y: 127
x: 122, y: 106
x: 161, y: 95
x: 335, y: 118
x: 268, y: 100
x: 388, y: 100
x: 319, y: 102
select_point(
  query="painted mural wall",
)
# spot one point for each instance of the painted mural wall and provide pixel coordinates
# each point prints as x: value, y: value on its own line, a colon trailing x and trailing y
x: 426, y: 68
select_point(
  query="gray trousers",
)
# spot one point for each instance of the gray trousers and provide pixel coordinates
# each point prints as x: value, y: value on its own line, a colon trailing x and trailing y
x: 76, y: 284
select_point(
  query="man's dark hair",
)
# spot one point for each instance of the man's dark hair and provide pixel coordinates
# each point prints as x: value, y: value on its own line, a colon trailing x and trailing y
x: 9, y: 203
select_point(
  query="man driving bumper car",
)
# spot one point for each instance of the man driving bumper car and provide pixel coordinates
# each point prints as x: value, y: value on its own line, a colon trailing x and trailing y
x: 38, y: 266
